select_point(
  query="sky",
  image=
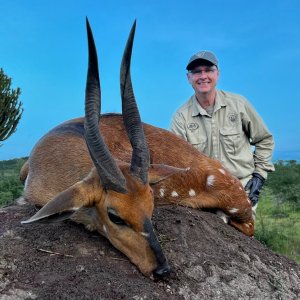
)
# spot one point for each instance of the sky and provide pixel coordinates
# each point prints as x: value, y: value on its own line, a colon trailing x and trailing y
x: 43, y: 48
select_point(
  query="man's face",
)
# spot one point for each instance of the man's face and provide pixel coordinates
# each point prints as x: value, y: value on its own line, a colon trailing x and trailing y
x: 203, y: 78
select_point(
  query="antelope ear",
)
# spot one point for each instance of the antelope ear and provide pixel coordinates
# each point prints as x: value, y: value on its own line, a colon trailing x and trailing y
x: 159, y: 172
x: 63, y: 205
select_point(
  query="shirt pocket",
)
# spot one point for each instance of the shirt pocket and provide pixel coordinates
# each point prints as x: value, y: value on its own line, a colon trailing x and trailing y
x: 231, y: 141
x: 199, y: 142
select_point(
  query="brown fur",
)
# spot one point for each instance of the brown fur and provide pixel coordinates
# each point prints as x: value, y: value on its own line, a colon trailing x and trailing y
x: 60, y: 176
x: 52, y: 174
x: 225, y: 194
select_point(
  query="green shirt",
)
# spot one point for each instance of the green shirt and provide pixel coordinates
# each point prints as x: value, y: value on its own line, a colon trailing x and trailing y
x: 228, y: 134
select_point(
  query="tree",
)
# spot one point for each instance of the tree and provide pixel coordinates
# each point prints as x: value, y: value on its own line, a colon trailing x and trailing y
x: 10, y: 109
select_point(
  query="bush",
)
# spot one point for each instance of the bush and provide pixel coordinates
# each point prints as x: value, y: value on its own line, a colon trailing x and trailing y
x: 10, y: 186
x: 10, y: 108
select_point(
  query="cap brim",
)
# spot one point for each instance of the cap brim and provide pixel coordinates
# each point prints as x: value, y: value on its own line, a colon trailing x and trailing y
x: 199, y: 62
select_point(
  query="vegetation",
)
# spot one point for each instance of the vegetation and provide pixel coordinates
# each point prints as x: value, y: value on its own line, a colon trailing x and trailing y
x: 278, y: 213
x: 10, y: 186
x: 10, y: 109
x: 278, y: 226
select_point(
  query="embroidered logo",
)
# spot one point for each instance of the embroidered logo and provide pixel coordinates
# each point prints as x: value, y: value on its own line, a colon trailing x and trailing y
x: 233, y: 118
x: 192, y: 126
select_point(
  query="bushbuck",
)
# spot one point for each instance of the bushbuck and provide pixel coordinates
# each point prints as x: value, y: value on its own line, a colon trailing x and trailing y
x: 106, y: 171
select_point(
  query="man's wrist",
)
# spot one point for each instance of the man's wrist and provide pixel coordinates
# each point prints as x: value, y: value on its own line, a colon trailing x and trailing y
x: 257, y: 175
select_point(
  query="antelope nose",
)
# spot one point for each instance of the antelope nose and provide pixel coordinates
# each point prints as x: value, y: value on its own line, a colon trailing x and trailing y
x: 162, y: 270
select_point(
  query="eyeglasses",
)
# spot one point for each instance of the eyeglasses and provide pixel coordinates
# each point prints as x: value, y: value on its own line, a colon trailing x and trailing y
x: 207, y: 71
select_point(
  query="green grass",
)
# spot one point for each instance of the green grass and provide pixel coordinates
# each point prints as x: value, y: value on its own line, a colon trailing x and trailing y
x: 278, y: 225
x: 10, y: 186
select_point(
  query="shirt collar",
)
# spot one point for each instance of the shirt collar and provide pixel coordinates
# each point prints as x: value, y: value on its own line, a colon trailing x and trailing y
x: 220, y: 100
x: 197, y: 109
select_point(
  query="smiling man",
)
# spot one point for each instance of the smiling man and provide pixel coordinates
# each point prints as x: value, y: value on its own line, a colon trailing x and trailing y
x: 224, y: 126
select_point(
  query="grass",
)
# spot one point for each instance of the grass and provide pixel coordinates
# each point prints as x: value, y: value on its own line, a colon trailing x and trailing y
x: 278, y: 225
x: 10, y: 186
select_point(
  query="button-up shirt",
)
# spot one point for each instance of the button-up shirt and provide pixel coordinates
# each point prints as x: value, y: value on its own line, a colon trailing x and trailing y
x: 227, y: 135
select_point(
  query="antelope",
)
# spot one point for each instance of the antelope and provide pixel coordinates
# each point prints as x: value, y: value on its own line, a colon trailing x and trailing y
x: 107, y: 171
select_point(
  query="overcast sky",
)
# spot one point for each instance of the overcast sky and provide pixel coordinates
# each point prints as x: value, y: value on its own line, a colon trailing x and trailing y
x: 44, y: 49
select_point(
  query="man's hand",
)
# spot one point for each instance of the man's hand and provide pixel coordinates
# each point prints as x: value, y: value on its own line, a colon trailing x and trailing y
x: 254, y: 186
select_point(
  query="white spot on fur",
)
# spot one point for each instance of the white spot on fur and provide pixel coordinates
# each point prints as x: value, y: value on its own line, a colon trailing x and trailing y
x: 222, y: 216
x: 145, y: 234
x: 192, y: 192
x: 174, y: 194
x: 249, y: 200
x: 233, y: 210
x: 161, y: 192
x: 222, y: 171
x: 240, y: 188
x: 210, y: 180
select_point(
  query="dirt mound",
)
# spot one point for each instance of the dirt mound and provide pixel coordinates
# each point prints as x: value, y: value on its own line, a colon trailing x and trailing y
x: 210, y: 260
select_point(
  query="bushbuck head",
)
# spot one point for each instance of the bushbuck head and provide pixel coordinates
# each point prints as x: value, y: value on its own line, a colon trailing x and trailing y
x: 115, y: 197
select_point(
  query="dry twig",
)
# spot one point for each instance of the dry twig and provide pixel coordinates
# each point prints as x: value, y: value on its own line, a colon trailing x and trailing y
x: 54, y: 253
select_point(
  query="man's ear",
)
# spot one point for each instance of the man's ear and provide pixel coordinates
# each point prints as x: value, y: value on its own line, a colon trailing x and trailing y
x: 159, y: 172
x: 189, y: 77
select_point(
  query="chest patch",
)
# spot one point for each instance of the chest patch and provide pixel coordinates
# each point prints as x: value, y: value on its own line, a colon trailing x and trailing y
x: 232, y: 118
x: 192, y: 126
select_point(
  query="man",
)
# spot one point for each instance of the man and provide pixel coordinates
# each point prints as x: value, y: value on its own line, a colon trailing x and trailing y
x: 224, y: 126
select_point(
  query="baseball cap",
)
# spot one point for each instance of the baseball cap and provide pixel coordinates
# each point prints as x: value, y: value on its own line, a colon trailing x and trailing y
x: 202, y: 55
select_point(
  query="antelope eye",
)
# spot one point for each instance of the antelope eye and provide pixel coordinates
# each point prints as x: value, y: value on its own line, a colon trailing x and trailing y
x: 114, y: 217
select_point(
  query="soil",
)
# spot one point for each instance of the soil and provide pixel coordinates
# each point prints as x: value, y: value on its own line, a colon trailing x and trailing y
x: 209, y: 259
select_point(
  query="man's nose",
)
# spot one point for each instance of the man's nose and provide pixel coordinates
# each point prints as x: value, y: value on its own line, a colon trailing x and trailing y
x: 203, y: 74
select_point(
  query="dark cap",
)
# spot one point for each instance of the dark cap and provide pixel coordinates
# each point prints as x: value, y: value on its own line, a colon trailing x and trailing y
x: 202, y: 56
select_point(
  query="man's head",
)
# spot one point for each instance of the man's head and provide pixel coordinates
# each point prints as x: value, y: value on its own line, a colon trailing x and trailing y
x: 203, y: 72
